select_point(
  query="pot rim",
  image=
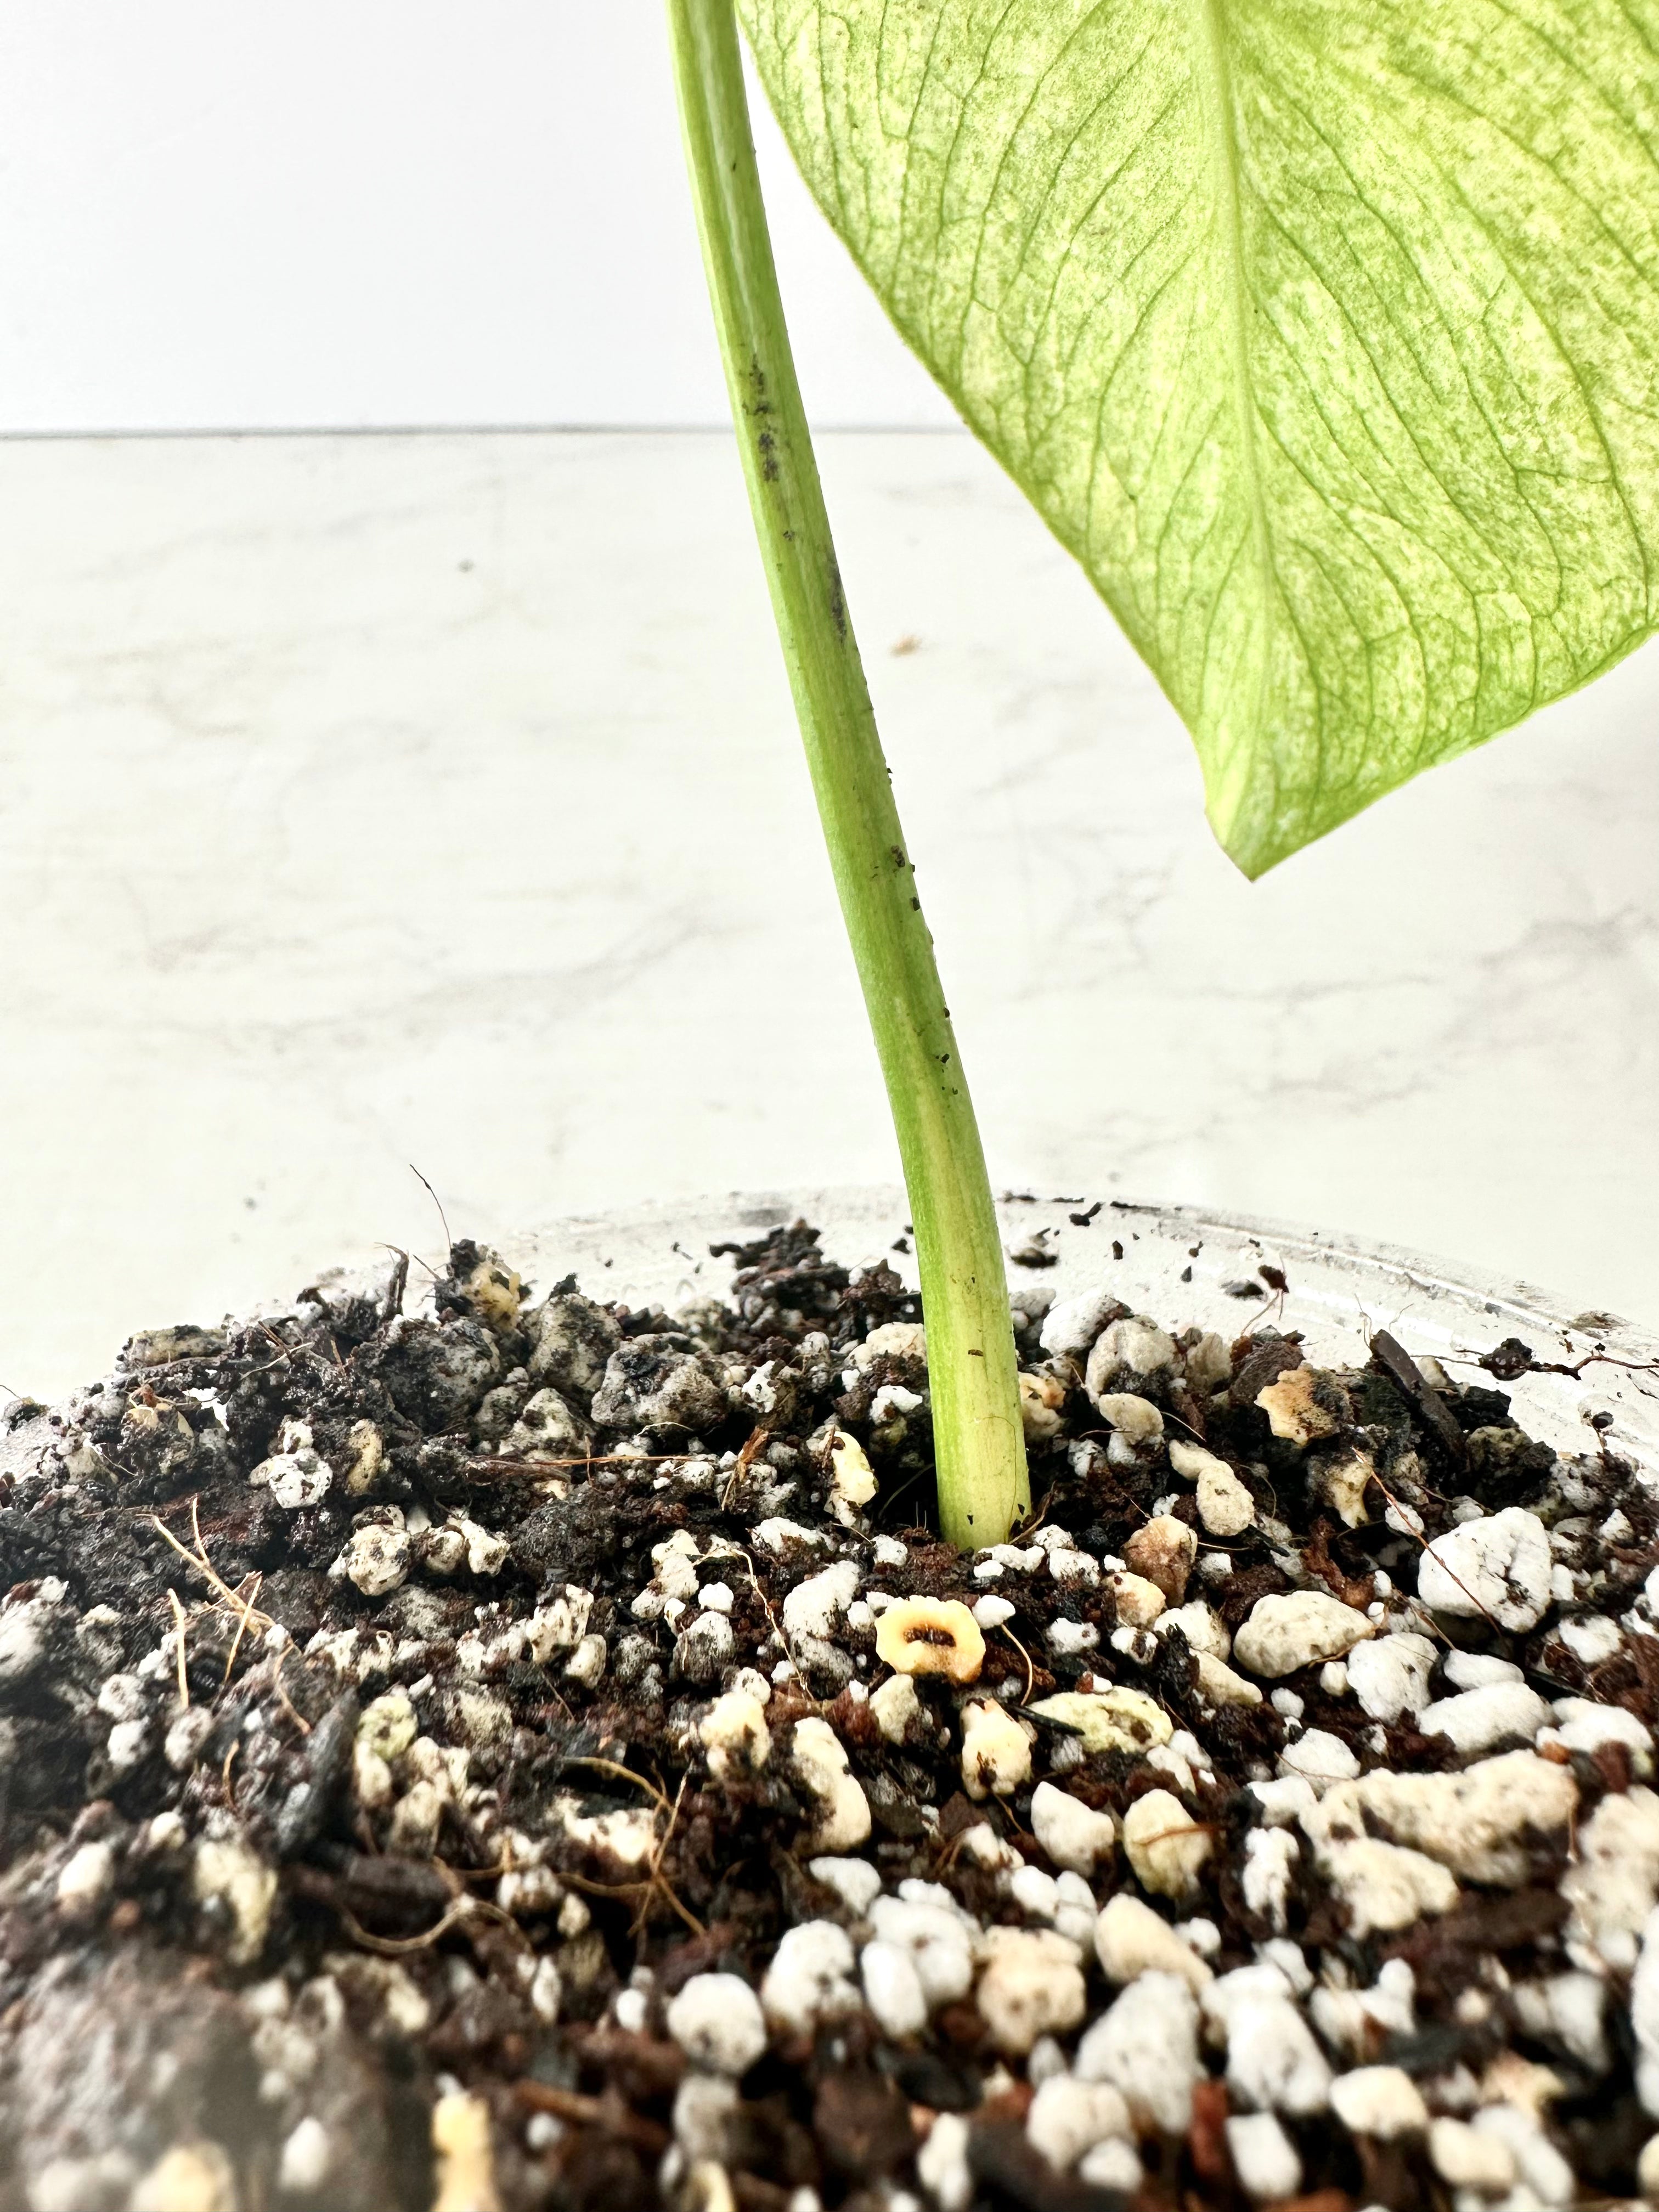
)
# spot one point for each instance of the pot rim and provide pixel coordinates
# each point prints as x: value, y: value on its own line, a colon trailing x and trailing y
x: 1176, y: 1263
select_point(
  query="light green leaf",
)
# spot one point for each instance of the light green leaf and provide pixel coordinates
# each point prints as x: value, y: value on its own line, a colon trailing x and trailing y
x: 1324, y: 332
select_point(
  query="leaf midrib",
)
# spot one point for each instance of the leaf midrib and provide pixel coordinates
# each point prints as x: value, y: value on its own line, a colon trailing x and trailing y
x: 1213, y: 76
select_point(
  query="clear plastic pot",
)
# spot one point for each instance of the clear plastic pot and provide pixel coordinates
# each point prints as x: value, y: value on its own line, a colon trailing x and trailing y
x: 1178, y: 1264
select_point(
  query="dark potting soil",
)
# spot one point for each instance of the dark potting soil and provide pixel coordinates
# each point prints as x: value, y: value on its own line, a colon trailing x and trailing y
x: 487, y: 1759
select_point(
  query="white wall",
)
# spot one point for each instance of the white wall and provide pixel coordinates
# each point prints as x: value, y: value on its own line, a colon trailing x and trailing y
x: 380, y: 213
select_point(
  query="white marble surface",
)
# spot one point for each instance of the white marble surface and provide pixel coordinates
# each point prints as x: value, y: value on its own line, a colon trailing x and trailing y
x: 436, y: 800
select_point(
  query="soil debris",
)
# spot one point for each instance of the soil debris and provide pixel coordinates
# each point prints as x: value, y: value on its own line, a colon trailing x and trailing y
x: 511, y: 1755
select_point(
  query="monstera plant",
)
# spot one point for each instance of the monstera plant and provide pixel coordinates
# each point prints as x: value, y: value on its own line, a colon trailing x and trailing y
x: 1324, y: 333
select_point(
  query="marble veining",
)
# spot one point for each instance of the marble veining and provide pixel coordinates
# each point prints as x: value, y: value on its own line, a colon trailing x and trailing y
x: 436, y: 799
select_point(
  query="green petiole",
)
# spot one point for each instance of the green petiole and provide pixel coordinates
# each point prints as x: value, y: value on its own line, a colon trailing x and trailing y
x: 978, y: 1438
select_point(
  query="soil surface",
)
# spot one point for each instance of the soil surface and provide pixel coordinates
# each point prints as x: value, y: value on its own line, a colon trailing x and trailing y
x: 518, y: 1754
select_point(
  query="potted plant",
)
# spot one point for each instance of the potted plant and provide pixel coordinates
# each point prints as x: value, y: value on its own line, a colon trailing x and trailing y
x: 820, y: 1744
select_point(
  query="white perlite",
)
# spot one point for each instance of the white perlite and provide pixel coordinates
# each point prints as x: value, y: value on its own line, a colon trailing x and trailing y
x: 1138, y: 1602
x: 892, y: 1989
x: 1273, y: 2064
x: 1390, y: 1674
x: 1131, y: 1939
x: 1583, y: 1725
x: 1202, y: 1626
x: 1069, y: 2116
x: 1568, y: 2009
x: 996, y: 1754
x: 981, y: 1846
x: 1114, y: 2164
x: 810, y: 1979
x: 1136, y: 1418
x: 820, y: 1761
x: 87, y: 1878
x: 1073, y: 1835
x: 1116, y: 1718
x: 1189, y: 1460
x: 306, y: 2156
x: 123, y: 1697
x: 1287, y: 1957
x: 1474, y: 1670
x: 942, y: 2165
x: 813, y: 1607
x: 855, y: 1881
x: 1067, y: 1565
x: 294, y: 1478
x: 716, y: 2021
x: 897, y: 1709
x: 1477, y: 1823
x: 1613, y: 1884
x: 377, y: 1557
x: 1264, y: 2157
x: 1480, y: 1720
x: 560, y: 1624
x: 627, y: 1837
x: 1224, y: 1506
x: 486, y: 1551
x: 1071, y: 1327
x: 1163, y: 1550
x: 1543, y: 2174
x: 1470, y: 2158
x: 1146, y: 2046
x: 1383, y: 2102
x: 1591, y: 1638
x: 1132, y: 1347
x: 1356, y: 2021
x: 1320, y: 1758
x: 1385, y: 1887
x: 705, y: 2107
x: 735, y: 1732
x: 1644, y: 2016
x: 1072, y: 1638
x: 1041, y: 1897
x: 1165, y: 1845
x: 128, y: 1742
x: 774, y: 1534
x: 1498, y: 1567
x: 894, y: 1339
x: 1271, y: 1855
x: 1284, y: 1633
x: 937, y: 1939
x: 228, y: 1874
x: 1217, y: 1685
x: 1032, y: 1985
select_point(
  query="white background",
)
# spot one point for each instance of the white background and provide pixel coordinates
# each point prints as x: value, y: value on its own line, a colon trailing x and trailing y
x: 343, y: 214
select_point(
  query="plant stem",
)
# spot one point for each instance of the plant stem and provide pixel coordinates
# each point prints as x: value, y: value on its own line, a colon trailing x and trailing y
x: 978, y: 1438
